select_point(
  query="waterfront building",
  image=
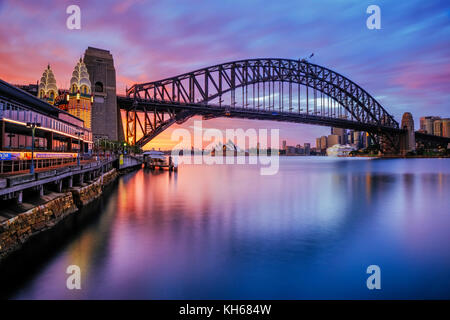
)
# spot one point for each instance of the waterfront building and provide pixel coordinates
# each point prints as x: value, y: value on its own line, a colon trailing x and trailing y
x: 446, y: 127
x: 299, y: 149
x: 341, y: 133
x: 365, y: 140
x: 291, y: 150
x: 323, y: 143
x: 307, y: 147
x: 427, y: 124
x: 333, y: 139
x: 31, y: 88
x: 318, y: 146
x: 357, y: 139
x: 47, y: 89
x: 79, y: 97
x: 437, y: 127
x: 57, y: 130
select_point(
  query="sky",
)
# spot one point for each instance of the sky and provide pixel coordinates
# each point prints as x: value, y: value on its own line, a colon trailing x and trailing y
x: 405, y: 65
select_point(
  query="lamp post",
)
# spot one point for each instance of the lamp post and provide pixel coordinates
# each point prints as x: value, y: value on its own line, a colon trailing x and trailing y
x: 33, y: 126
x: 79, y: 134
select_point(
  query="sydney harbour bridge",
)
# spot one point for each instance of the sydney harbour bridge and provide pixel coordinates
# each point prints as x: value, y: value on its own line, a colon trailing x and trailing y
x: 263, y: 89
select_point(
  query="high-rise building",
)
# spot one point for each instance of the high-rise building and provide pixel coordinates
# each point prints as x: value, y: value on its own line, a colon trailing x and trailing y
x: 357, y: 139
x: 437, y: 127
x: 318, y: 146
x: 284, y: 145
x: 323, y: 142
x: 426, y: 124
x: 446, y: 127
x: 80, y: 95
x: 341, y: 133
x: 365, y: 140
x: 47, y: 89
x: 332, y: 140
x: 307, y: 147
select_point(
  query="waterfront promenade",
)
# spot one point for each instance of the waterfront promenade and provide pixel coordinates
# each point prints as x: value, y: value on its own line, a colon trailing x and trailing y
x: 34, y: 202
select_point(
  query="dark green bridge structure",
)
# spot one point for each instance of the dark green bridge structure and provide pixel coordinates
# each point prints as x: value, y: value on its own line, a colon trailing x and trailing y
x: 263, y: 89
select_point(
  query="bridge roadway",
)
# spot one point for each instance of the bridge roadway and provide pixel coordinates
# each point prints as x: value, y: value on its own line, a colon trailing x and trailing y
x: 209, y: 111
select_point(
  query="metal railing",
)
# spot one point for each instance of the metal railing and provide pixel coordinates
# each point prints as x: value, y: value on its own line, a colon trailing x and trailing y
x: 18, y: 166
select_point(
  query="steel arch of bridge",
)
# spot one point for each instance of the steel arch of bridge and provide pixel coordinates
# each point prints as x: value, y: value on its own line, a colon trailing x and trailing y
x: 175, y: 99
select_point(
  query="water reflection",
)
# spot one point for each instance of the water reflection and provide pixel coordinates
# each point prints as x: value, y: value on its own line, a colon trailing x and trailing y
x: 225, y: 231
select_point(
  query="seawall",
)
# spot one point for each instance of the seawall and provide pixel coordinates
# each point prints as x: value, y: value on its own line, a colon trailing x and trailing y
x: 19, y: 229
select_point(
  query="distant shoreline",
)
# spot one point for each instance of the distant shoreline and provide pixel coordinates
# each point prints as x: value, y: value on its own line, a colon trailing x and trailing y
x: 372, y: 156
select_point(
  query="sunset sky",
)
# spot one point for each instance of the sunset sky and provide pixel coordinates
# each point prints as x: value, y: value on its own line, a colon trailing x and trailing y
x: 405, y: 65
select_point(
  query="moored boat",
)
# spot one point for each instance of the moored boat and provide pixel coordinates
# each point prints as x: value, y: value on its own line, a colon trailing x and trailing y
x: 157, y: 160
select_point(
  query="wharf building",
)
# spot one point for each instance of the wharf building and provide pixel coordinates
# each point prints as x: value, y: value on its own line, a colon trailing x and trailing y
x: 58, y: 134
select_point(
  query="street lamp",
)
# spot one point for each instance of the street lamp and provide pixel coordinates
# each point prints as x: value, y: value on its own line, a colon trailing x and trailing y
x: 33, y: 126
x: 79, y: 135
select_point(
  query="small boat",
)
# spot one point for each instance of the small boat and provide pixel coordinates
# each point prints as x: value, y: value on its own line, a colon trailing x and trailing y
x: 157, y: 160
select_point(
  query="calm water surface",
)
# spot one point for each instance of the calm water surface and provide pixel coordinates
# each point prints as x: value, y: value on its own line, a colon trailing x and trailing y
x: 226, y: 232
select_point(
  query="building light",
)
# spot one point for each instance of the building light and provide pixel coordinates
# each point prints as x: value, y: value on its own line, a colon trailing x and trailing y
x: 48, y: 129
x: 78, y: 95
x: 67, y: 97
x: 92, y: 99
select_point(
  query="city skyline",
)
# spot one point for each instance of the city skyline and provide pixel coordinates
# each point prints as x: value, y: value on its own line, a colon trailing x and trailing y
x: 403, y: 65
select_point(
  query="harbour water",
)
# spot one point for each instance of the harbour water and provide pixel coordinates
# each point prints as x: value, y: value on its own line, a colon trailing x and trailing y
x: 226, y: 232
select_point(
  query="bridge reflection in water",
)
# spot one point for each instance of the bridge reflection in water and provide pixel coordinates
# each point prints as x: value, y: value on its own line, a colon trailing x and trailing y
x: 225, y: 231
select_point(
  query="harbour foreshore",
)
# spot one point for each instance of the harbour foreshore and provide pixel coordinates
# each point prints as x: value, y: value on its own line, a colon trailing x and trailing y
x: 19, y: 229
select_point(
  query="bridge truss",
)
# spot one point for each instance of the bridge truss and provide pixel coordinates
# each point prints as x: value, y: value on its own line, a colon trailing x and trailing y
x: 266, y: 89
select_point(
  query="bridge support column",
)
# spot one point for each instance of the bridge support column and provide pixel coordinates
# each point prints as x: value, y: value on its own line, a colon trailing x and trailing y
x: 59, y: 185
x: 41, y: 190
x: 70, y: 181
x: 407, y: 139
x: 20, y: 197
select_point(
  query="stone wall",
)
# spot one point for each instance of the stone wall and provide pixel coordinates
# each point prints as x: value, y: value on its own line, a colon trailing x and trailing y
x: 17, y: 230
x: 84, y: 195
